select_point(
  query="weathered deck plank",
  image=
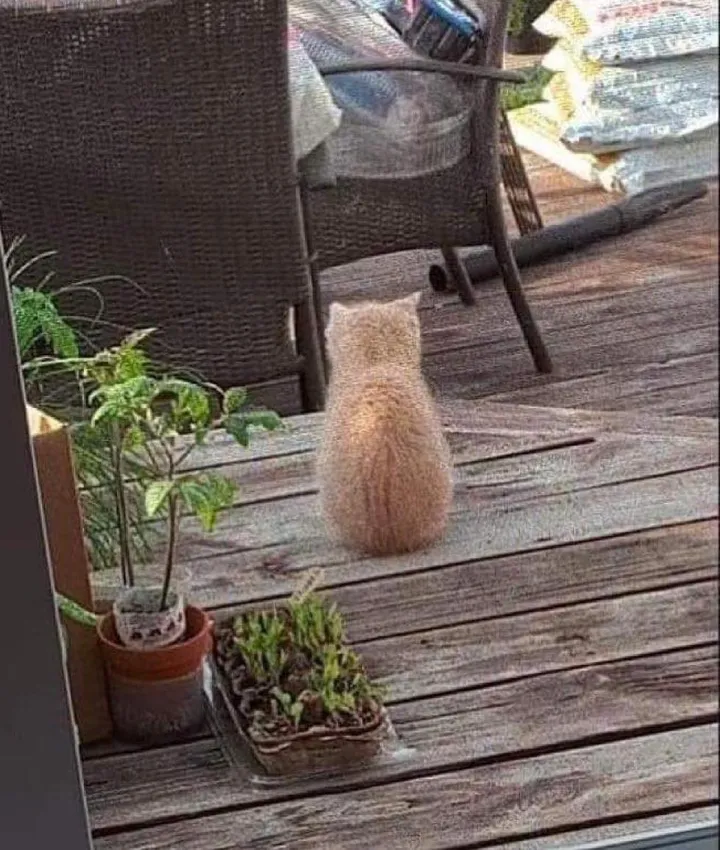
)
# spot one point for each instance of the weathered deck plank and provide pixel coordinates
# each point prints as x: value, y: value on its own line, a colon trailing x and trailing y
x: 263, y: 549
x: 612, y: 833
x: 514, y: 720
x: 477, y: 654
x: 566, y: 462
x: 499, y: 428
x: 515, y: 584
x: 585, y: 484
x: 457, y: 809
x: 553, y: 662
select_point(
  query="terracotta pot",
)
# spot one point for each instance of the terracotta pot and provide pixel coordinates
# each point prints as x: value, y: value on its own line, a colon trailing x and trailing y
x: 157, y: 694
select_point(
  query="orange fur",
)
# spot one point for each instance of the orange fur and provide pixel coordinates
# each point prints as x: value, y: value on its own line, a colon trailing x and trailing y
x: 384, y: 465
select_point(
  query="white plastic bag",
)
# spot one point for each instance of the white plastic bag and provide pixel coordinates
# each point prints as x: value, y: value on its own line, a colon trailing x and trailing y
x: 616, y: 32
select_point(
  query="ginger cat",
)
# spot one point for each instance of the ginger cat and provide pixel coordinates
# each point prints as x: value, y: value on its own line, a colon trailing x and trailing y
x: 384, y: 466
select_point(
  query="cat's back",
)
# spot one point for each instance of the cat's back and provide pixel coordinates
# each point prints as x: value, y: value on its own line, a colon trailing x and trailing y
x: 385, y: 467
x: 383, y: 404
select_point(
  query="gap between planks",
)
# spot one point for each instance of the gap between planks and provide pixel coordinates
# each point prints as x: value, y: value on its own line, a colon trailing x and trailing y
x: 456, y: 809
x: 568, y: 710
x: 524, y: 584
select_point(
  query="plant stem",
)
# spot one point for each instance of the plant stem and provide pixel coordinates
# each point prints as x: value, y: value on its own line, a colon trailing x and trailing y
x: 128, y: 575
x: 173, y: 519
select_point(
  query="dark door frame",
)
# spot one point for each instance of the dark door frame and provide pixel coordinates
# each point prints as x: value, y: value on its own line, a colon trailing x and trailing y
x: 42, y: 800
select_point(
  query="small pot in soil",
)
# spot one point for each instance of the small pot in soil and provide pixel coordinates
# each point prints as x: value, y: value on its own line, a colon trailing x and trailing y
x: 315, y: 750
x: 157, y: 694
x: 141, y: 624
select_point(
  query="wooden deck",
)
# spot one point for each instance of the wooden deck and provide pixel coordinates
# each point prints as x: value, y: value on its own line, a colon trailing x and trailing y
x: 552, y: 664
x: 631, y: 323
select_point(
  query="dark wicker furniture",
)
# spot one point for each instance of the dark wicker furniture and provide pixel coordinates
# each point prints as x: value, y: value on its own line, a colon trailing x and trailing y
x: 153, y: 140
x: 459, y: 206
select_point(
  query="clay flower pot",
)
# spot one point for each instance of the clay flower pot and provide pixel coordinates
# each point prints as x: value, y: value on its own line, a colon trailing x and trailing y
x: 157, y: 694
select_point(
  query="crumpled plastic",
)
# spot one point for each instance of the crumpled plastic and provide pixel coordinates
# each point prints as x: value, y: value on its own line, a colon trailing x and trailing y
x: 617, y: 32
x: 608, y: 131
x: 394, y: 124
x: 602, y: 87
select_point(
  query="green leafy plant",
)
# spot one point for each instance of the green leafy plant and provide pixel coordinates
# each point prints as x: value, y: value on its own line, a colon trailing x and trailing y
x: 296, y: 667
x: 531, y: 91
x: 49, y: 347
x: 75, y: 612
x: 152, y: 426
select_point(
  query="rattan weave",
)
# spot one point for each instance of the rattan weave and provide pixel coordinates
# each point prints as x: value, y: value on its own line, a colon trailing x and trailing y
x: 158, y: 146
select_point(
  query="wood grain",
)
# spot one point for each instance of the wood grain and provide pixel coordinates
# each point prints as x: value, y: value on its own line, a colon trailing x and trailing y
x: 514, y: 584
x: 487, y: 803
x: 623, y: 831
x: 259, y: 550
x: 470, y: 373
x: 499, y: 428
x: 630, y: 388
x: 565, y: 463
x: 635, y: 314
x: 479, y: 726
x: 479, y: 653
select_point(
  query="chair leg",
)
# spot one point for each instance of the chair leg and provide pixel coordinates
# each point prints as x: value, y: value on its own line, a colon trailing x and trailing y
x: 312, y: 377
x: 460, y: 277
x: 513, y: 285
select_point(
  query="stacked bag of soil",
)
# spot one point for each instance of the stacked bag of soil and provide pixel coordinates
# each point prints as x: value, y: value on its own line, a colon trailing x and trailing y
x: 633, y: 101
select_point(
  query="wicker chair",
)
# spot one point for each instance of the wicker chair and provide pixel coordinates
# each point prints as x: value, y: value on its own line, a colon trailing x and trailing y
x: 153, y: 140
x: 459, y: 206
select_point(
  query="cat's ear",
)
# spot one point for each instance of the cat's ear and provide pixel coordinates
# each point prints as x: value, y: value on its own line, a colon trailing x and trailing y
x: 410, y: 302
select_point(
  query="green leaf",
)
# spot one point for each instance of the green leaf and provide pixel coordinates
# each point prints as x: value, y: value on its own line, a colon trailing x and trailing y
x: 234, y: 400
x: 38, y: 322
x: 267, y: 419
x: 73, y: 611
x: 190, y: 408
x: 237, y: 427
x: 205, y: 495
x: 156, y: 496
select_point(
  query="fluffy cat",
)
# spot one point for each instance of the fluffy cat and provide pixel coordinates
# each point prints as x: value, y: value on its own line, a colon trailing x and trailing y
x: 384, y: 466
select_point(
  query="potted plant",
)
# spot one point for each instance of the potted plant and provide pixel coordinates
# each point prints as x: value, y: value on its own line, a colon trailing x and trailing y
x: 154, y: 642
x: 522, y: 39
x: 296, y: 693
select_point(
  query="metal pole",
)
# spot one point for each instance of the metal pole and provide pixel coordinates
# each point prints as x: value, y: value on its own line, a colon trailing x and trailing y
x: 42, y: 802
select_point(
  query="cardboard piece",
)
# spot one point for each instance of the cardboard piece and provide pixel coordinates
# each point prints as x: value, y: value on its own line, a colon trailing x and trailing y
x: 64, y: 528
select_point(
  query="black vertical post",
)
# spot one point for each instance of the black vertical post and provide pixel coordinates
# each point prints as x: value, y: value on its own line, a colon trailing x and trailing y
x: 42, y: 803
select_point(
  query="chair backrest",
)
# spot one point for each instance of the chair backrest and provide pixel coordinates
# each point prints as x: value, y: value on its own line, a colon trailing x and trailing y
x: 154, y: 141
x: 497, y: 12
